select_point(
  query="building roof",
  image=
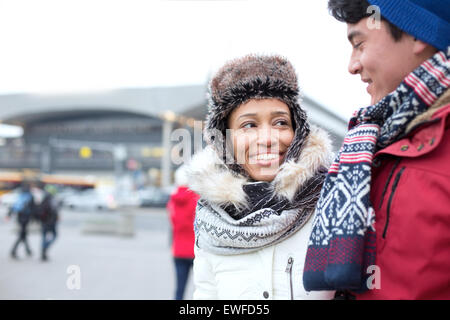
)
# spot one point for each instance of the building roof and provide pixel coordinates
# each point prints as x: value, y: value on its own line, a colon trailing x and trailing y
x: 188, y: 101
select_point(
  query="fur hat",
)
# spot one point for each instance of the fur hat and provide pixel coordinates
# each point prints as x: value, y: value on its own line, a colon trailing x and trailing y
x: 253, y: 77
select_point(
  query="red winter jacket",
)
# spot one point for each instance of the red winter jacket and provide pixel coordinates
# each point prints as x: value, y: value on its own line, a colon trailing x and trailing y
x: 181, y: 207
x: 411, y: 197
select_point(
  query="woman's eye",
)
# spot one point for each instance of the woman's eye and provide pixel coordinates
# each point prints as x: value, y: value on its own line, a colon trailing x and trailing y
x: 281, y: 123
x: 248, y: 125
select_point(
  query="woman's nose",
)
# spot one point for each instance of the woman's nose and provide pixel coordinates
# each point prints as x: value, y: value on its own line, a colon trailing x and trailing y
x: 266, y: 137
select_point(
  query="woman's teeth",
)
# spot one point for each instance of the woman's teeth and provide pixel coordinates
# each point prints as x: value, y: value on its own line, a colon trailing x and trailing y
x: 267, y: 156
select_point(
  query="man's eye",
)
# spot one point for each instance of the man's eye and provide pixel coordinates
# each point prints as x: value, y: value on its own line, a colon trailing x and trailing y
x: 357, y: 45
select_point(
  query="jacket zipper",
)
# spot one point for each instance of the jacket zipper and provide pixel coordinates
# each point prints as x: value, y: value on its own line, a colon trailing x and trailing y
x: 388, y: 181
x: 289, y: 272
x: 388, y: 210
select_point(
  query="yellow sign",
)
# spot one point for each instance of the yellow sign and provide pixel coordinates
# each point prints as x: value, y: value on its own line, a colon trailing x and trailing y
x: 85, y: 152
x: 156, y: 152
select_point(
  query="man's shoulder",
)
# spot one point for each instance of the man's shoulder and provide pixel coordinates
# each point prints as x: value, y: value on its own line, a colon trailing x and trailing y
x: 442, y: 105
x: 440, y: 109
x: 442, y: 113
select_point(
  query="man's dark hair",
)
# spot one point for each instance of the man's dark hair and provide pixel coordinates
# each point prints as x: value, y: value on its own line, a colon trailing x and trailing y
x: 353, y: 11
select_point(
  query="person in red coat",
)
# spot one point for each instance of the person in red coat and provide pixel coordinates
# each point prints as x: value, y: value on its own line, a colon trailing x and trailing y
x: 181, y: 208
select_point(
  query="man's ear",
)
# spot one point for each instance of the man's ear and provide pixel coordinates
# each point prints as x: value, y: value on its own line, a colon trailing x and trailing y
x: 421, y: 47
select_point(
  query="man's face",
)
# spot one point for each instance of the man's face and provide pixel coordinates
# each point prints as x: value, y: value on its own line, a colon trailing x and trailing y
x: 381, y: 61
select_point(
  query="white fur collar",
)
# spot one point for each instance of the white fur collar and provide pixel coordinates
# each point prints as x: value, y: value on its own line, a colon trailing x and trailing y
x: 213, y: 182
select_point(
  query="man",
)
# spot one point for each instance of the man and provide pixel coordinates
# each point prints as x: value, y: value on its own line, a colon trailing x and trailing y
x: 48, y: 213
x: 382, y: 229
x: 24, y: 209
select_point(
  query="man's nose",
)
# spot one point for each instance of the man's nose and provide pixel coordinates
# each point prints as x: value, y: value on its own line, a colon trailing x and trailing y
x: 354, y: 66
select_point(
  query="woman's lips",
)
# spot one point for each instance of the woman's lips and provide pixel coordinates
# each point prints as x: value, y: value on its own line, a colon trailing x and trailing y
x: 267, y: 159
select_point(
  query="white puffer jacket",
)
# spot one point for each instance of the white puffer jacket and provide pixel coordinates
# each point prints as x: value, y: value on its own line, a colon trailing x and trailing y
x: 274, y: 272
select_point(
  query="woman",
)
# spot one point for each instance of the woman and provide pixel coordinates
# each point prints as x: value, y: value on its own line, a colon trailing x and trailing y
x: 259, y: 179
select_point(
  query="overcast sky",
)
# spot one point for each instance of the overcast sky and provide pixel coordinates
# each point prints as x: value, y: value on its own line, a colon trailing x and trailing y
x: 59, y: 46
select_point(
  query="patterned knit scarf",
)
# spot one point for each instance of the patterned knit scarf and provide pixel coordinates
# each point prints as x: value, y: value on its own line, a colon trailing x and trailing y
x: 342, y: 243
x: 269, y: 219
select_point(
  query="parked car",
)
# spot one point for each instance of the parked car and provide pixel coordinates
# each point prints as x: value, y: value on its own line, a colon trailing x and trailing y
x: 63, y: 194
x: 127, y: 198
x: 153, y: 197
x: 8, y: 199
x: 91, y: 200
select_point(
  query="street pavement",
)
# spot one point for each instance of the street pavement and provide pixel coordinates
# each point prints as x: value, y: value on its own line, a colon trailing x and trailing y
x: 92, y: 266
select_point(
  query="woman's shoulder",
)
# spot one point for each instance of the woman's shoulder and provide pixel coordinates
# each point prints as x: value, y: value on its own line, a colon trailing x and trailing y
x: 209, y: 178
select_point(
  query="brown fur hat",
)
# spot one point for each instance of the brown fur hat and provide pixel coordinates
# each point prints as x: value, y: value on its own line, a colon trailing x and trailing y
x: 253, y: 77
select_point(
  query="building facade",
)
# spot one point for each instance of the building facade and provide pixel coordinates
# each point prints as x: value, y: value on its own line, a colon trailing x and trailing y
x: 116, y: 131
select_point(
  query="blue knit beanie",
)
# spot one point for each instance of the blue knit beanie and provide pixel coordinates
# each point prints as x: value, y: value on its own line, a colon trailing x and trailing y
x: 427, y: 20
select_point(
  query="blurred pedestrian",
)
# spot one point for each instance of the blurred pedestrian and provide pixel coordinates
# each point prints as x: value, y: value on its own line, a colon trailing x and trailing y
x: 259, y: 179
x: 383, y: 224
x: 181, y: 208
x: 48, y: 215
x: 37, y: 190
x: 24, y: 208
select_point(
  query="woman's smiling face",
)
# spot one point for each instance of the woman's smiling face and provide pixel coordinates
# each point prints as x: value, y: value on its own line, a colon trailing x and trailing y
x: 261, y: 132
